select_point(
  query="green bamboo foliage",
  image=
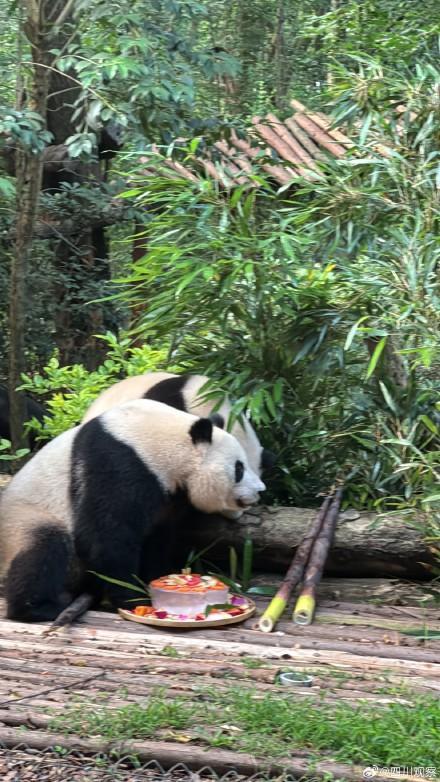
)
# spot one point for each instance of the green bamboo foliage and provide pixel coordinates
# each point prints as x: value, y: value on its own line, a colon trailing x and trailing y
x: 330, y: 289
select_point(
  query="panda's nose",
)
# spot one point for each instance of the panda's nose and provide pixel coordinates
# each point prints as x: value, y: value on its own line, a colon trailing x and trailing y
x: 251, y: 497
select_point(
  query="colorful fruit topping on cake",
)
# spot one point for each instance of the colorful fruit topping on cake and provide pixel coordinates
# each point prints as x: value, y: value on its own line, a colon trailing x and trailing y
x: 188, y: 582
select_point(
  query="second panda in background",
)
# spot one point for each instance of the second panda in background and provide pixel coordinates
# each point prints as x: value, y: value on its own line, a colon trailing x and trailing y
x: 184, y: 393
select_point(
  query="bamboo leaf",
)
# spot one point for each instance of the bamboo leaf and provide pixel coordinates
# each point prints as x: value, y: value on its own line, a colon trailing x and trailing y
x: 134, y: 191
x: 236, y: 195
x: 376, y: 356
x: 429, y: 424
x: 352, y: 333
x: 234, y: 585
x: 263, y: 591
x: 278, y: 390
x: 116, y: 581
x: 387, y: 396
x: 364, y: 130
x: 270, y: 404
x: 422, y: 634
x: 219, y: 606
x: 194, y: 555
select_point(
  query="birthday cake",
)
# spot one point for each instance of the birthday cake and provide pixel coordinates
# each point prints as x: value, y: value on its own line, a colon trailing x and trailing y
x: 187, y: 594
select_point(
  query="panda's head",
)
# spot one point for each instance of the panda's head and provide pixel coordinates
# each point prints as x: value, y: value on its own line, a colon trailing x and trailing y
x: 223, y: 480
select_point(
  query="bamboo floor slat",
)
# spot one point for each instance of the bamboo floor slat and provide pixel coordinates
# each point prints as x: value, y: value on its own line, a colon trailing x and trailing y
x: 354, y: 651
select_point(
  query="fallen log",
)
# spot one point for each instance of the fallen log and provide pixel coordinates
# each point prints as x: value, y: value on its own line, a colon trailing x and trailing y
x: 365, y: 544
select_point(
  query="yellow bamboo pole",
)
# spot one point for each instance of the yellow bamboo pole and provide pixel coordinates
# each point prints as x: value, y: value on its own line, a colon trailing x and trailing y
x: 294, y: 574
x: 305, y: 605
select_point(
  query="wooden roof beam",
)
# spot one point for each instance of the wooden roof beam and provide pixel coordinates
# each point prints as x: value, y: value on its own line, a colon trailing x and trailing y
x: 279, y: 173
x: 323, y: 122
x: 304, y: 139
x: 283, y: 132
x: 273, y: 140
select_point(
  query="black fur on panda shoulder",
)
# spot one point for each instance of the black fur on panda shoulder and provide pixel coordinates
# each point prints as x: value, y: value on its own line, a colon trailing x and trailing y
x: 109, y: 530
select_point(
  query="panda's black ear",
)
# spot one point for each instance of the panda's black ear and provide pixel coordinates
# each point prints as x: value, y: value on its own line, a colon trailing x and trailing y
x: 201, y: 431
x: 217, y: 420
x: 268, y: 459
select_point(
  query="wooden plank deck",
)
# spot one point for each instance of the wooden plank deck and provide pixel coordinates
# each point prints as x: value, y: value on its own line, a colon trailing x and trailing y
x: 353, y: 651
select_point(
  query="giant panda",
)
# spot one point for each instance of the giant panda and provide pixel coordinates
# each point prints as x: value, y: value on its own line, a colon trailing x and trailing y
x: 89, y: 501
x: 184, y: 393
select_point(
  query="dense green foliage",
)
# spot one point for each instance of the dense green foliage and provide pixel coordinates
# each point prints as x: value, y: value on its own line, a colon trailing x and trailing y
x: 318, y: 312
x: 72, y: 389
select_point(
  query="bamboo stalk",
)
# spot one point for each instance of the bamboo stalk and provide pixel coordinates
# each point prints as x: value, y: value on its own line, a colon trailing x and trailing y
x: 248, y: 553
x: 77, y: 608
x: 295, y: 572
x: 305, y: 605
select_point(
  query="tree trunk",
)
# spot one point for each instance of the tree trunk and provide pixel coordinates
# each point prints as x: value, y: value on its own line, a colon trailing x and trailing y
x: 28, y: 188
x: 278, y: 56
x: 81, y: 260
x: 81, y: 257
x: 365, y: 545
x: 29, y: 173
x: 84, y: 265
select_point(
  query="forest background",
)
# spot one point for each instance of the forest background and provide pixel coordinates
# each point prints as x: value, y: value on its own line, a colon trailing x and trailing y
x: 315, y: 305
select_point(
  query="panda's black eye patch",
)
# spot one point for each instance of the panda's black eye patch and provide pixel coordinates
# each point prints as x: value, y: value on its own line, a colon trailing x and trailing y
x: 239, y: 471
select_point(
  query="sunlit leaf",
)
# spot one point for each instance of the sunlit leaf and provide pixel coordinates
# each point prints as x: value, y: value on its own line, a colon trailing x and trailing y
x: 376, y: 356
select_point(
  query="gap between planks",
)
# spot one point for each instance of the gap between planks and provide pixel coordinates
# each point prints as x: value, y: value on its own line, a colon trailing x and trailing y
x: 155, y: 668
x: 144, y: 684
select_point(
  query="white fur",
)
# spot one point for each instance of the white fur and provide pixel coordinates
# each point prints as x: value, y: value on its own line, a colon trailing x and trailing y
x: 162, y: 440
x: 38, y: 493
x: 136, y: 386
x: 160, y: 435
x: 126, y: 390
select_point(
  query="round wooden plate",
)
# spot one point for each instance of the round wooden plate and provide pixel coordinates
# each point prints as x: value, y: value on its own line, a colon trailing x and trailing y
x: 189, y: 624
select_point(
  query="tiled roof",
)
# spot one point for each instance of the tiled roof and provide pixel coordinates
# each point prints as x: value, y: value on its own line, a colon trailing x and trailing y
x: 283, y: 149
